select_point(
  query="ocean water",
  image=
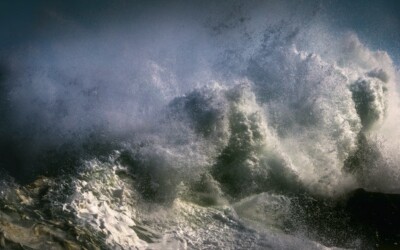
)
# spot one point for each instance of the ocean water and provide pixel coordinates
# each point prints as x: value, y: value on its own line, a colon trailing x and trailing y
x: 199, y: 126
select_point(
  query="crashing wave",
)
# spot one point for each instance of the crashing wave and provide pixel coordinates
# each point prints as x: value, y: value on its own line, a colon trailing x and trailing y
x: 257, y: 143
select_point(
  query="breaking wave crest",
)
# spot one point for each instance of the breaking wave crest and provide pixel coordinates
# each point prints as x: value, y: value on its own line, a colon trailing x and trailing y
x: 235, y: 154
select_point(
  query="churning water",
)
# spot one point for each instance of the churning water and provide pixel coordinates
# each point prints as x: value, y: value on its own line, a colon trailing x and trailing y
x: 236, y: 126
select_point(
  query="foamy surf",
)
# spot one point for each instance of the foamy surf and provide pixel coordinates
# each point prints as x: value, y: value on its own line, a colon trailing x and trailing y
x: 199, y: 126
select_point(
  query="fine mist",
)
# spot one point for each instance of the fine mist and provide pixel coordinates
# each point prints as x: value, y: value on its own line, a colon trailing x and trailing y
x: 80, y: 81
x: 259, y: 124
x: 77, y: 76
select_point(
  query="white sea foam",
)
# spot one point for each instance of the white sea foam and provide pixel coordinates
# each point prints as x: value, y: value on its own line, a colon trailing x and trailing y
x: 104, y: 202
x: 222, y: 111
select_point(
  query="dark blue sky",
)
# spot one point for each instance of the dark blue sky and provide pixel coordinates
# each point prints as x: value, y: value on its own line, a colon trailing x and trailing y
x: 377, y: 22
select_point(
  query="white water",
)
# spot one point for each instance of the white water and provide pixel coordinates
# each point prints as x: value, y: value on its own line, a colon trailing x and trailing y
x: 233, y: 110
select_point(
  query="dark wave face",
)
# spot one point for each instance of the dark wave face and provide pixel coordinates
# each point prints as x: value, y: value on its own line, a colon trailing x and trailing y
x: 199, y: 125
